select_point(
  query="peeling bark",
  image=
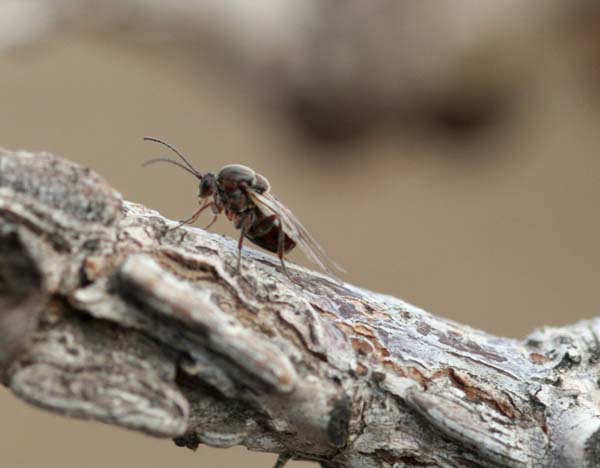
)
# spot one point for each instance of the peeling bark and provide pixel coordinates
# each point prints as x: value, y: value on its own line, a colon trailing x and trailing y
x: 107, y: 315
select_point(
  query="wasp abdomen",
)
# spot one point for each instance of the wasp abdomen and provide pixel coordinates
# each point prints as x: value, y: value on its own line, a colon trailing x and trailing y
x: 265, y: 233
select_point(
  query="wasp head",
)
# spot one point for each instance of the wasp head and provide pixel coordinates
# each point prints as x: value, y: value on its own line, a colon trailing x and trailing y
x: 208, y: 185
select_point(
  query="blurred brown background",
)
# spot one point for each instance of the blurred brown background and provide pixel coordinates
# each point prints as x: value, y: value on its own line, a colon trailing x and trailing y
x: 449, y: 160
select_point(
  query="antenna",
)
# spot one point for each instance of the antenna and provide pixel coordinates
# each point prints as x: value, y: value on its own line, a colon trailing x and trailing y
x: 189, y: 167
x: 155, y: 160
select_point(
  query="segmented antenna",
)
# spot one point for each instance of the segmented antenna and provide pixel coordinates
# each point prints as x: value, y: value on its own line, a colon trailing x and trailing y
x: 191, y: 169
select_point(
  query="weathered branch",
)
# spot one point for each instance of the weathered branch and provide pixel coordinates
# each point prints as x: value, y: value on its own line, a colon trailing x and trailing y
x: 108, y: 315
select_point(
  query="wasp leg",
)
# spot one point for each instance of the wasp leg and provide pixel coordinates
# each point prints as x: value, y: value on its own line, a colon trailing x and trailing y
x: 216, y: 210
x: 280, y: 247
x: 192, y: 219
x: 282, y: 460
x: 214, y: 220
x: 244, y: 224
x: 266, y: 225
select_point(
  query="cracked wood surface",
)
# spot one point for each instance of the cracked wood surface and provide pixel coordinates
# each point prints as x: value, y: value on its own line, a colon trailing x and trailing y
x: 107, y: 315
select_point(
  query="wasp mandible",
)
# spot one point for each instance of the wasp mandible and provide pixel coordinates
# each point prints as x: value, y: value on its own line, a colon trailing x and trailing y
x: 245, y: 197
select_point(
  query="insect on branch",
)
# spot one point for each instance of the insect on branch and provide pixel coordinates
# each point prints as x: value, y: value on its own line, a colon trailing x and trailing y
x: 246, y: 199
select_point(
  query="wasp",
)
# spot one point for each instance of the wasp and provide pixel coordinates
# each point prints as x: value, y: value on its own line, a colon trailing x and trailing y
x: 246, y: 199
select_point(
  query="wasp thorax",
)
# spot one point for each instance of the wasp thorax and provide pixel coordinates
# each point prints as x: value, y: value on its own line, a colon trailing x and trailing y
x: 234, y: 174
x: 208, y: 185
x: 233, y: 185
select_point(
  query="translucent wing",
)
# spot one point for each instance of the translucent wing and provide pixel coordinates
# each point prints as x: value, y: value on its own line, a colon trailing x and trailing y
x: 295, y: 230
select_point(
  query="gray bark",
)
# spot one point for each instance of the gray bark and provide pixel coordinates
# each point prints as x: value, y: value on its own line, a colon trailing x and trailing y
x: 107, y: 315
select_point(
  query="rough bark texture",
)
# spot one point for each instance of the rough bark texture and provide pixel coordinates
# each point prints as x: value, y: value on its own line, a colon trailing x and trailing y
x: 107, y: 315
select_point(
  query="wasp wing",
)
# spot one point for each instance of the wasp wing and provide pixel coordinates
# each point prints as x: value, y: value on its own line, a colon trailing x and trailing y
x: 296, y: 231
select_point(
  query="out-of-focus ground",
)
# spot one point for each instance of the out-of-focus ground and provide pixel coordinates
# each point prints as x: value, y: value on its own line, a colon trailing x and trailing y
x: 497, y: 226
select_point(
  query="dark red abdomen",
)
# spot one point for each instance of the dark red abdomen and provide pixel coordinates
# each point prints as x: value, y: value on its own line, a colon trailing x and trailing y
x: 265, y: 233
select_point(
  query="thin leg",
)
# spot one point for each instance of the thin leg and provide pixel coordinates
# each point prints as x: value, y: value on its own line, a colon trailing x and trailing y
x: 193, y: 218
x: 244, y: 224
x: 282, y: 460
x: 216, y: 209
x: 239, y: 259
x: 280, y: 246
x: 214, y: 220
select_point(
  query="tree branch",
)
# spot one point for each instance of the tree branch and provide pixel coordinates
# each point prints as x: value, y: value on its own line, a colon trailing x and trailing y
x: 107, y: 315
